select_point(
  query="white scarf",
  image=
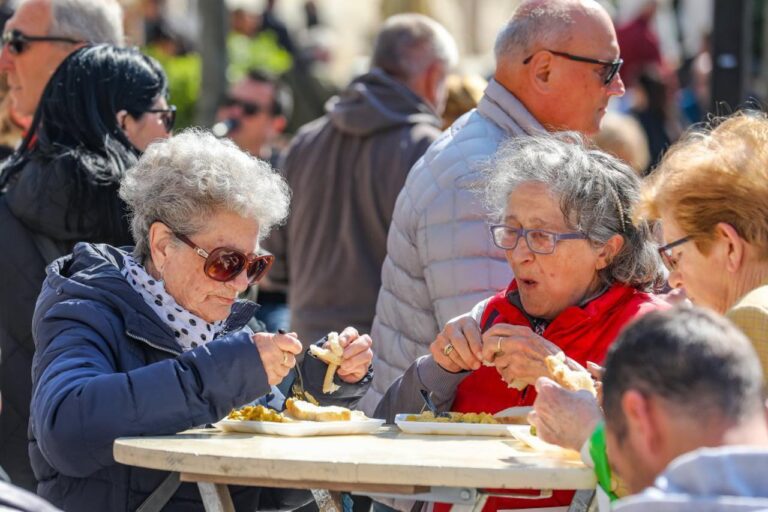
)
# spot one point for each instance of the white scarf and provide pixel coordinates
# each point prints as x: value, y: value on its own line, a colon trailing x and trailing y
x: 191, y: 331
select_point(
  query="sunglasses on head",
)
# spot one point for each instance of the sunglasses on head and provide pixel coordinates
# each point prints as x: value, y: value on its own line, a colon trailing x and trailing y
x: 167, y: 116
x: 248, y: 108
x: 610, y: 67
x: 224, y: 264
x: 17, y: 41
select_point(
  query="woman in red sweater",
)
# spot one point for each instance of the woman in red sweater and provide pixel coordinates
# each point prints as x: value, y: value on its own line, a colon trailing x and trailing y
x: 582, y: 271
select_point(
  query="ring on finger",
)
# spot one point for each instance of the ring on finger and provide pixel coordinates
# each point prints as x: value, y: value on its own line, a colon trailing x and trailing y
x: 498, y: 345
x: 448, y: 349
x: 285, y: 358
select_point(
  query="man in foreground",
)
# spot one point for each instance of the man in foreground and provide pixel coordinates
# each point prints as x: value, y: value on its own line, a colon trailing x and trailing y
x: 684, y: 415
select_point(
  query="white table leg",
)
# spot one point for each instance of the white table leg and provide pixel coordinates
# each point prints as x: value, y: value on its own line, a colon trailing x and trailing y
x: 216, y: 497
x: 477, y: 506
x: 582, y: 500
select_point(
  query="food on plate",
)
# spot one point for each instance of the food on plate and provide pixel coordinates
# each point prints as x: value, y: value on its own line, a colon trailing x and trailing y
x: 258, y: 413
x: 332, y: 357
x: 567, y: 377
x: 301, y: 410
x: 455, y: 417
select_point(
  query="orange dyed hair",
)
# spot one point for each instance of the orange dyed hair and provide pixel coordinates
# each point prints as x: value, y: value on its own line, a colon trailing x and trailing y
x: 712, y: 176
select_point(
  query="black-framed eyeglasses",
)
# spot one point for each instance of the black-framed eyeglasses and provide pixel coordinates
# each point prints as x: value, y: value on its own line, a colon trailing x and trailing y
x: 667, y: 257
x: 249, y: 108
x: 17, y: 41
x: 225, y: 264
x: 610, y: 67
x: 167, y: 116
x: 540, y: 241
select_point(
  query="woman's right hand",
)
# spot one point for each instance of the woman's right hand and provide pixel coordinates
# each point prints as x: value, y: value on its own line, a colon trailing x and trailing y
x: 462, y: 335
x: 278, y: 353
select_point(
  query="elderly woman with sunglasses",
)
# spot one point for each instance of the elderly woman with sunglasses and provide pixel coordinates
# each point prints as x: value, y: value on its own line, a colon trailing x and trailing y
x: 582, y: 271
x: 711, y: 194
x: 152, y: 340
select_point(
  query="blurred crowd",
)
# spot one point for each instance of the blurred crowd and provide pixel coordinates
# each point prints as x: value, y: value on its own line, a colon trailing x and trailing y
x: 576, y: 201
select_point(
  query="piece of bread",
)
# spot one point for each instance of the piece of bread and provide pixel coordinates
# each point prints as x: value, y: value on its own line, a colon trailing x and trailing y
x: 306, y: 411
x: 332, y: 356
x: 325, y: 355
x: 567, y: 377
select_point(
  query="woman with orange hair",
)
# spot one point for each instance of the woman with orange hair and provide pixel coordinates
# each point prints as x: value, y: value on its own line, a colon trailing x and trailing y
x: 711, y: 194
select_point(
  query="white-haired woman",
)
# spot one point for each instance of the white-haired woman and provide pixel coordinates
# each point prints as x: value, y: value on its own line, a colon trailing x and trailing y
x: 582, y: 271
x: 152, y: 340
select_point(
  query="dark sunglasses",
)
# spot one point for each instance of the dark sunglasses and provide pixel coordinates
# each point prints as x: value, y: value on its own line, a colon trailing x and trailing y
x: 666, y: 253
x: 17, y: 41
x: 224, y: 264
x: 610, y: 67
x: 248, y: 108
x: 167, y: 116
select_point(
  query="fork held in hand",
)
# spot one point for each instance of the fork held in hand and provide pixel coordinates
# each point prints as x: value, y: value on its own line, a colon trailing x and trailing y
x: 431, y: 405
x: 298, y: 383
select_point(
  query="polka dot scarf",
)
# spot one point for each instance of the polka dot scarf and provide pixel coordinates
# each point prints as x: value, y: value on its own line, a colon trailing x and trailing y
x: 191, y: 331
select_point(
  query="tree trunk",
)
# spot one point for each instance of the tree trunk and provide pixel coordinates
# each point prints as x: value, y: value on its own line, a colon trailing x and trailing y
x: 213, y: 51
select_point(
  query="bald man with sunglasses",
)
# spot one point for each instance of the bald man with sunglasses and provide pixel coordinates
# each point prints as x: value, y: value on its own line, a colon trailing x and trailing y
x: 42, y: 33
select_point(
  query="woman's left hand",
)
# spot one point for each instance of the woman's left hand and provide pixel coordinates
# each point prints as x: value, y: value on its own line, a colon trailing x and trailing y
x: 357, y: 355
x: 517, y: 352
x: 563, y: 417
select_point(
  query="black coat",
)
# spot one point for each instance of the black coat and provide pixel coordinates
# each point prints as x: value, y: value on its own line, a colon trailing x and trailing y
x: 38, y: 223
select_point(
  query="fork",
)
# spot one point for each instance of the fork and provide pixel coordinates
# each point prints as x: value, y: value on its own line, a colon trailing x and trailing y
x: 431, y: 405
x: 298, y: 383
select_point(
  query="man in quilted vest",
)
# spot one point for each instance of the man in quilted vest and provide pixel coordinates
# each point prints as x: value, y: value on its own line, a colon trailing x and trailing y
x: 557, y: 64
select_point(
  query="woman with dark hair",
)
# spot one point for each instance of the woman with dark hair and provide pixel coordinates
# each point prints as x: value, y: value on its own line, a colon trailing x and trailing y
x: 99, y: 110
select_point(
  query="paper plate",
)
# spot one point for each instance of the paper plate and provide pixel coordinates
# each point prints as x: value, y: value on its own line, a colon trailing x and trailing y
x: 451, y: 429
x: 301, y: 428
x: 523, y: 434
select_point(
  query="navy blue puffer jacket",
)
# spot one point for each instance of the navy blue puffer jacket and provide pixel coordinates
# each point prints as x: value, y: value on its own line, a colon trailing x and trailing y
x: 106, y: 367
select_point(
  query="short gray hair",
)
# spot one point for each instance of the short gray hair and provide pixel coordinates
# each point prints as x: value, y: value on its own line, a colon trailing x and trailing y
x: 183, y: 180
x: 544, y: 23
x: 693, y: 358
x: 94, y: 21
x: 596, y: 192
x: 408, y: 43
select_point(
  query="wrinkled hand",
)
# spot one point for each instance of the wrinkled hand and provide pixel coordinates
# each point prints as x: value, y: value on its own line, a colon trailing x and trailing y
x: 463, y: 334
x: 357, y: 355
x: 278, y: 354
x: 517, y: 352
x: 563, y: 417
x: 596, y: 371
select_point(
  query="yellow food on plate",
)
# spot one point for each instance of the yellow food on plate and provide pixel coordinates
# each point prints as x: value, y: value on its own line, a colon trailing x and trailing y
x: 455, y: 417
x: 258, y: 413
x: 301, y: 410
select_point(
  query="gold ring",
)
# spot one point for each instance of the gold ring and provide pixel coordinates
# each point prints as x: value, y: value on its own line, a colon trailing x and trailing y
x: 448, y: 349
x: 285, y: 358
x: 498, y: 346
